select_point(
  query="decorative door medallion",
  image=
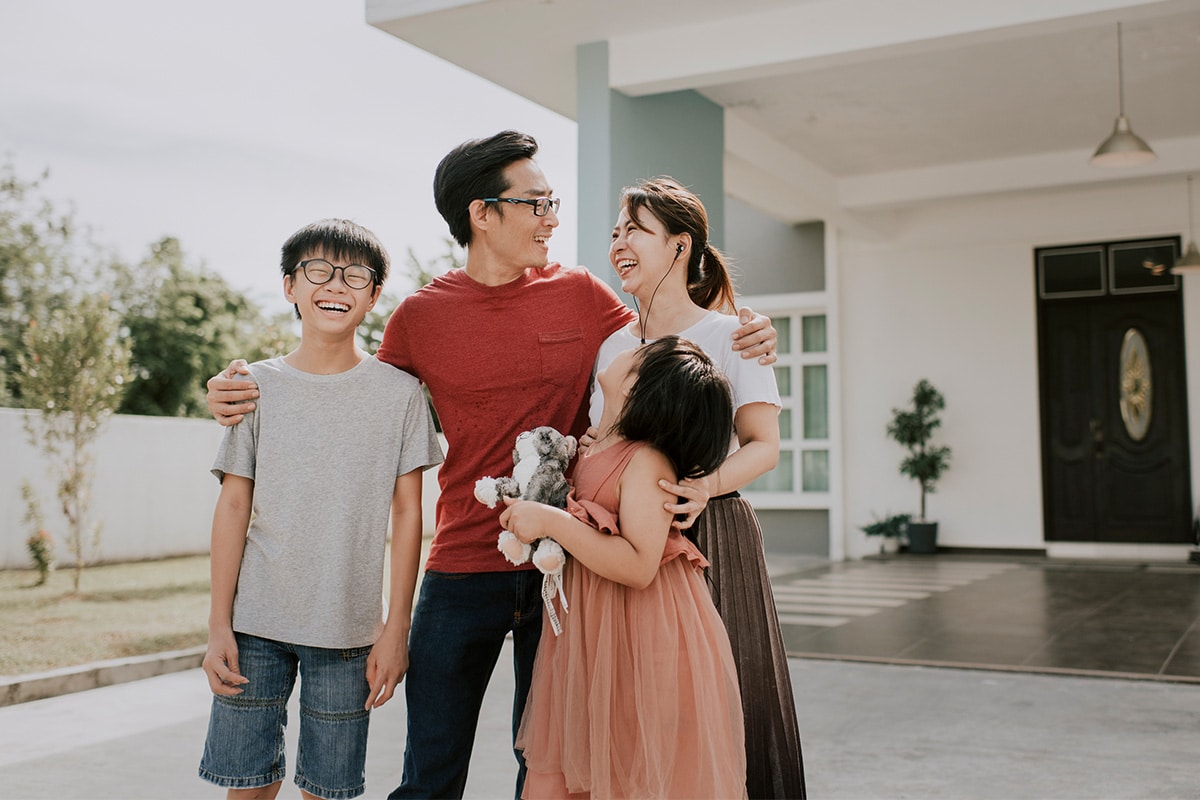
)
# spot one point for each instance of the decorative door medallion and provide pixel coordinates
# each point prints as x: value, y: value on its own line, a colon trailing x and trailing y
x: 1136, y: 385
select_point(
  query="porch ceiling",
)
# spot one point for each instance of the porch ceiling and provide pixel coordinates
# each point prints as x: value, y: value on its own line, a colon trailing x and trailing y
x: 840, y: 108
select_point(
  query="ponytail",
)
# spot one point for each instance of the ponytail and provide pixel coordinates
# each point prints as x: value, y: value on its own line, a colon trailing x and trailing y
x: 710, y: 284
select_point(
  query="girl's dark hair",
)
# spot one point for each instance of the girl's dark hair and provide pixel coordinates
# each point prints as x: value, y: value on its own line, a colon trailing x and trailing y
x: 680, y: 403
x: 338, y: 239
x: 473, y: 170
x: 710, y: 284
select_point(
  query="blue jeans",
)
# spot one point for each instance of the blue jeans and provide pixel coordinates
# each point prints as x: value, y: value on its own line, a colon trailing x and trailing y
x: 244, y: 747
x: 459, y: 625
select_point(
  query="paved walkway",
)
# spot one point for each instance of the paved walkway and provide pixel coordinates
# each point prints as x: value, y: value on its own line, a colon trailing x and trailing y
x: 869, y: 731
x: 1104, y: 618
x: 872, y: 727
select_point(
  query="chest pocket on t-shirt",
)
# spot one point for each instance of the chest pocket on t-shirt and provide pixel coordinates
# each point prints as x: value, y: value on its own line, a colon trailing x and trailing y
x: 561, y: 354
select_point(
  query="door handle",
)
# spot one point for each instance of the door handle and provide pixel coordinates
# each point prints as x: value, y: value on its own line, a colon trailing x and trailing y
x: 1097, y: 438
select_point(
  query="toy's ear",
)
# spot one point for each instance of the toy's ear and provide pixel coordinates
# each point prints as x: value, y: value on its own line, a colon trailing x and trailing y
x: 566, y: 447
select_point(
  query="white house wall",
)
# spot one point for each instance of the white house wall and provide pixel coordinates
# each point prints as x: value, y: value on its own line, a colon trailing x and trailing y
x: 951, y: 298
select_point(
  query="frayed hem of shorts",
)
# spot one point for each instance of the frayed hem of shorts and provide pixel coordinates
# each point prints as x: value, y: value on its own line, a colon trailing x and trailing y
x: 330, y: 794
x: 256, y: 782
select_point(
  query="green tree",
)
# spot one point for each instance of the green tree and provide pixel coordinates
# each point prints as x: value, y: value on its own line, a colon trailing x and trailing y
x: 46, y: 262
x: 72, y: 369
x: 183, y: 321
x: 271, y: 337
x: 185, y: 324
x: 420, y: 273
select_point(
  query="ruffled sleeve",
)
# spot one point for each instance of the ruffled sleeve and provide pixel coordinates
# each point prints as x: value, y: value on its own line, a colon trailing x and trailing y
x: 605, y: 521
x: 593, y: 514
x: 679, y: 545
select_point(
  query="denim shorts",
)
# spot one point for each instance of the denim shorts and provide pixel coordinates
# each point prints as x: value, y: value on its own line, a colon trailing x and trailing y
x: 244, y: 747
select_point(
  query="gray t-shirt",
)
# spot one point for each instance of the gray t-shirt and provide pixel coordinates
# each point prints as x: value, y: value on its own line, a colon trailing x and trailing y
x: 324, y: 452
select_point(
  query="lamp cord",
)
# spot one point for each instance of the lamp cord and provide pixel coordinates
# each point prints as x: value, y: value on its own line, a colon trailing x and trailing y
x: 1120, y: 73
x: 1191, y: 216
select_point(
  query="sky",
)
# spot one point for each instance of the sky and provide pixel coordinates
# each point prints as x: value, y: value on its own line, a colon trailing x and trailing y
x: 229, y: 124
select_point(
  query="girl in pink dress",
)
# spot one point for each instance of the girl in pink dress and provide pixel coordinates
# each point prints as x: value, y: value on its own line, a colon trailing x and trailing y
x: 639, y: 696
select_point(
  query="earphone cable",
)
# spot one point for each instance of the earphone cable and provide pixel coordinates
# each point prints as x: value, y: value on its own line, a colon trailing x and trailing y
x: 641, y: 319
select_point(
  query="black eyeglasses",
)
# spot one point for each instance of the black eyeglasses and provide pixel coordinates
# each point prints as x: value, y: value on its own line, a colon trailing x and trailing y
x: 320, y: 271
x: 541, y: 205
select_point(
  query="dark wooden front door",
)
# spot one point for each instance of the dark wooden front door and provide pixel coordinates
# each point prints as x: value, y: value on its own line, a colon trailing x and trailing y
x: 1114, y: 418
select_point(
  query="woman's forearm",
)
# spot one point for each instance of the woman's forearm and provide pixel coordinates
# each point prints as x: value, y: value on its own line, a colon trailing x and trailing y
x: 757, y: 426
x: 751, y: 461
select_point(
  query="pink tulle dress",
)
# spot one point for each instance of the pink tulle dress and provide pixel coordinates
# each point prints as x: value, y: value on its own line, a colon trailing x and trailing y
x: 638, y: 697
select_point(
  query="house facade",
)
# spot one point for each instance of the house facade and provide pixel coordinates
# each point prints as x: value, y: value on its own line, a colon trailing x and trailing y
x: 905, y: 188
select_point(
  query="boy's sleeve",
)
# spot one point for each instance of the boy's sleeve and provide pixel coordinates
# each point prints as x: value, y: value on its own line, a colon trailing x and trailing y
x: 235, y: 456
x: 421, y: 449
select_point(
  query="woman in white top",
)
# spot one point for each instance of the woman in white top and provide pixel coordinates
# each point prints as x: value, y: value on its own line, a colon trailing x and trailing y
x: 682, y: 287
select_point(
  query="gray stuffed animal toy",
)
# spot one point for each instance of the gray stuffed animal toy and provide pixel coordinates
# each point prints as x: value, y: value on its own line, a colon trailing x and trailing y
x: 540, y: 460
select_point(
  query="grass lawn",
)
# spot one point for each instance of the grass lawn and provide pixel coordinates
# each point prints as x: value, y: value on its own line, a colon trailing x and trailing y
x: 130, y: 609
x: 121, y: 610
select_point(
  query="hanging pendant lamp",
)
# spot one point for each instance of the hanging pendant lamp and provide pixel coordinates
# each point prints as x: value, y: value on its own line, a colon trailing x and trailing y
x: 1123, y: 148
x: 1190, y: 262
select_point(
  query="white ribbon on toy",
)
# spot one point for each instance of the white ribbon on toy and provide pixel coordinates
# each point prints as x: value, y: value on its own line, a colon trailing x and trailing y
x: 552, y: 585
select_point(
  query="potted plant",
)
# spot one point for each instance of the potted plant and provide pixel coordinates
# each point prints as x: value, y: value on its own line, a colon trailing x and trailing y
x: 889, y: 529
x: 912, y: 428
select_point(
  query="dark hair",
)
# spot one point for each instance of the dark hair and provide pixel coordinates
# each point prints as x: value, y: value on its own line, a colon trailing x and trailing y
x: 473, y: 170
x: 680, y: 403
x: 710, y: 284
x: 340, y: 240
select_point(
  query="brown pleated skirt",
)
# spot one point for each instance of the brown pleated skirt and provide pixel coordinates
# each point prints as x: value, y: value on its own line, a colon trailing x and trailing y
x: 729, y: 536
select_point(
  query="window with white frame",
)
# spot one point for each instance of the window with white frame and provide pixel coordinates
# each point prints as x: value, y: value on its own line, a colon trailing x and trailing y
x: 801, y: 478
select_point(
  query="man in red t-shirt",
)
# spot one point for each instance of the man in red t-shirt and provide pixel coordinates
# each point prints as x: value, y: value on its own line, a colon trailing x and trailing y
x: 505, y: 344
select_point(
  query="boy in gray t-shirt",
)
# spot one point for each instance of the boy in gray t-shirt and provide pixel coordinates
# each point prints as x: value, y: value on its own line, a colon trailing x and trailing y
x: 309, y: 483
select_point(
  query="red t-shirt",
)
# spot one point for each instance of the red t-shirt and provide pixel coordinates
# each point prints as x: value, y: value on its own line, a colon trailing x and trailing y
x: 498, y: 360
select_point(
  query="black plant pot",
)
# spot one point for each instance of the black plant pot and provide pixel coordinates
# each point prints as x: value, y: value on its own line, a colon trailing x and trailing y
x: 922, y: 537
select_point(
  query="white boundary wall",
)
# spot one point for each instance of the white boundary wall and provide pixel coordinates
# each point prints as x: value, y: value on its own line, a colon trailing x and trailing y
x: 152, y: 490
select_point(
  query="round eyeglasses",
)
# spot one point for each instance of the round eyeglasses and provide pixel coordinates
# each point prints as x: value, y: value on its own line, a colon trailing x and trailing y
x: 541, y: 205
x: 320, y: 271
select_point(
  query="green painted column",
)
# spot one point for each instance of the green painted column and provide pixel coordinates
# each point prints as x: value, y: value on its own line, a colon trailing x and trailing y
x: 623, y: 139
